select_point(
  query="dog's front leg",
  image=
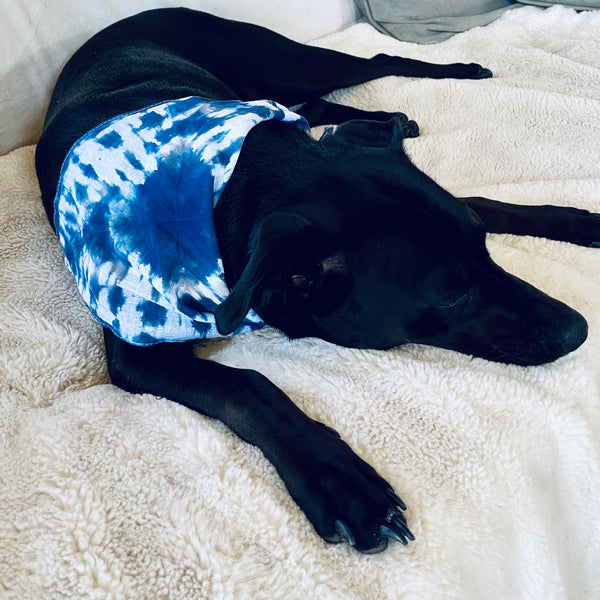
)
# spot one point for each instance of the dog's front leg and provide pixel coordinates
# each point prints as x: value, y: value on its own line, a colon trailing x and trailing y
x: 322, y: 112
x: 562, y: 223
x: 342, y: 496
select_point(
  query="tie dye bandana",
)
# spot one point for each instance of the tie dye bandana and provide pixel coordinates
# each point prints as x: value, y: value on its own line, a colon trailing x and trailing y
x: 134, y: 215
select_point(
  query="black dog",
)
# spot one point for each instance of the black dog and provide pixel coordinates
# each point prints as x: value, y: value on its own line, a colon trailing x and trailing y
x: 341, y: 238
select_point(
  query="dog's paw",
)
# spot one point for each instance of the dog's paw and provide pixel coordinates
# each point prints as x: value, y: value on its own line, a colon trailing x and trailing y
x: 467, y: 71
x: 574, y: 225
x: 476, y: 71
x: 410, y: 128
x: 343, y: 497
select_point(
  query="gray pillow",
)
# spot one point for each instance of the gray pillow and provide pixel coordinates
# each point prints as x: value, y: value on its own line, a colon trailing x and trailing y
x: 577, y: 4
x: 430, y: 21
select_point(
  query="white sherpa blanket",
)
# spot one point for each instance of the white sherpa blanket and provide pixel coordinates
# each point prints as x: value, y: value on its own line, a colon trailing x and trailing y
x: 108, y: 495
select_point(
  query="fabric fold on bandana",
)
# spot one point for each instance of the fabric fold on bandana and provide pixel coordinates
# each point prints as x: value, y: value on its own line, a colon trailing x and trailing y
x: 134, y: 215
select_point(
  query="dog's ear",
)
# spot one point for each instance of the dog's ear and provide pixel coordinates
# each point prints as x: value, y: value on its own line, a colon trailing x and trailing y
x: 274, y: 240
x: 370, y: 134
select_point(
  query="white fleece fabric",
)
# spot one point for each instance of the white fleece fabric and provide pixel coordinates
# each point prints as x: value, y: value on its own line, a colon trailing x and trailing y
x: 108, y: 495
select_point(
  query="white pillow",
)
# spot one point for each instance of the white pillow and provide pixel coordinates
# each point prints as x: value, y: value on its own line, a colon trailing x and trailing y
x: 37, y: 37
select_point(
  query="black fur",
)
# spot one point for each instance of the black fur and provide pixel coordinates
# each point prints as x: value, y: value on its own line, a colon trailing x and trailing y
x: 342, y: 238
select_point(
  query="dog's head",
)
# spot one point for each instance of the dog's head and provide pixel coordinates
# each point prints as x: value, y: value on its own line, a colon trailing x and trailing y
x: 375, y: 254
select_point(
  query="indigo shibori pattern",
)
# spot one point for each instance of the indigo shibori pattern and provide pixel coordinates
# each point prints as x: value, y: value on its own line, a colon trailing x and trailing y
x: 134, y: 215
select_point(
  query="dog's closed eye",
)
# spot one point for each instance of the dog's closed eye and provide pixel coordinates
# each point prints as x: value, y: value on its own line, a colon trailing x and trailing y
x: 459, y: 301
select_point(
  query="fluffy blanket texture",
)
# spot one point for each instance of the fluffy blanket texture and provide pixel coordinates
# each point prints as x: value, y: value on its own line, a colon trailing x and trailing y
x: 108, y: 495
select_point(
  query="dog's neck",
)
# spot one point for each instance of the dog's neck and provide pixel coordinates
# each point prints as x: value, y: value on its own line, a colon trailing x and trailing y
x: 264, y: 180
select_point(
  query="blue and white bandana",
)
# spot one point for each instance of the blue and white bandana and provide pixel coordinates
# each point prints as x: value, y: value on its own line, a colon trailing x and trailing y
x: 134, y: 215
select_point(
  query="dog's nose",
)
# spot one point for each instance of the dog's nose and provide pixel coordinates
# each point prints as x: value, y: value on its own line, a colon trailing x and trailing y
x: 574, y: 333
x: 545, y: 344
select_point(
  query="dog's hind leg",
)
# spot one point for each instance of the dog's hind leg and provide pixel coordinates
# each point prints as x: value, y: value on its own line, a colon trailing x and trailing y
x: 258, y: 63
x: 561, y: 223
x: 298, y: 73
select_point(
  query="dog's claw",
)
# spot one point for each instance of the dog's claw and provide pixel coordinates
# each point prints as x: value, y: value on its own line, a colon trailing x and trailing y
x: 393, y: 534
x: 396, y: 499
x: 396, y: 530
x: 344, y: 532
x: 404, y: 528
